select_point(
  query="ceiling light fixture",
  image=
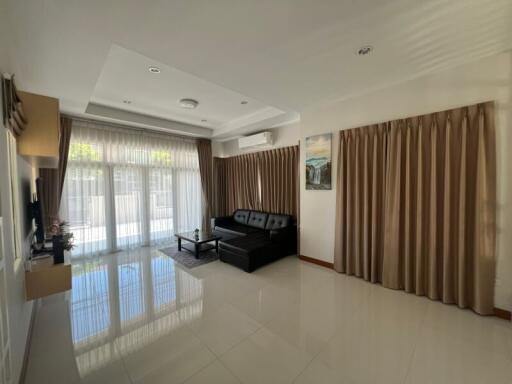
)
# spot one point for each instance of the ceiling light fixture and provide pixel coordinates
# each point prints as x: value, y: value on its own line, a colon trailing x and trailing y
x: 189, y: 103
x: 154, y: 69
x: 127, y: 101
x: 365, y: 50
x: 243, y: 102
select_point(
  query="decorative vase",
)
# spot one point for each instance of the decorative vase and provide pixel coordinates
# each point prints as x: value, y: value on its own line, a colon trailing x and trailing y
x: 58, y: 249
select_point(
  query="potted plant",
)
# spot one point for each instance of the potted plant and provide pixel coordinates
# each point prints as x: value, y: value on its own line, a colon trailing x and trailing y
x: 62, y: 240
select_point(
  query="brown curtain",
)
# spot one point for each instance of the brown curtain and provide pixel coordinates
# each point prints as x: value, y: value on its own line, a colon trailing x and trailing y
x: 266, y: 180
x: 359, y: 202
x: 416, y: 205
x: 204, y: 150
x: 279, y: 180
x: 219, y: 187
x: 237, y: 183
x: 53, y: 179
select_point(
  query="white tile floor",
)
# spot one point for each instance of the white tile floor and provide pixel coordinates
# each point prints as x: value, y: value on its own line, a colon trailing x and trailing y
x: 137, y: 317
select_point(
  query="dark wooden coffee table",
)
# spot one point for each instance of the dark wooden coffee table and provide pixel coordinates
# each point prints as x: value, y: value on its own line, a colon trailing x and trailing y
x: 198, y: 243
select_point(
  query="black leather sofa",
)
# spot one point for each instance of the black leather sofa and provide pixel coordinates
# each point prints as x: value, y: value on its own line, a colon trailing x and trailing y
x: 251, y: 239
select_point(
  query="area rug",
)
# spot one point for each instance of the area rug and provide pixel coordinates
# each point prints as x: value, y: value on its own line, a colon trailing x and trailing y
x: 187, y: 259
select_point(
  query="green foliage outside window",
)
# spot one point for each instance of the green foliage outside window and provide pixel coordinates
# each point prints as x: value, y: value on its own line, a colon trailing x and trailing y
x: 161, y: 157
x: 83, y: 151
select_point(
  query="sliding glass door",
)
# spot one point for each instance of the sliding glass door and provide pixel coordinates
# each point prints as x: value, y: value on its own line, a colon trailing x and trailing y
x: 126, y: 189
x: 161, y: 204
x: 128, y: 201
x: 84, y: 203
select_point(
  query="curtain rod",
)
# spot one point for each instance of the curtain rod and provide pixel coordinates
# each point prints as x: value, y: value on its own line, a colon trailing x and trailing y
x: 128, y: 127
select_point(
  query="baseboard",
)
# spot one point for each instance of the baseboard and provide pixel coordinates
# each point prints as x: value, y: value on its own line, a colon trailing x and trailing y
x: 322, y: 263
x: 28, y: 343
x: 503, y: 314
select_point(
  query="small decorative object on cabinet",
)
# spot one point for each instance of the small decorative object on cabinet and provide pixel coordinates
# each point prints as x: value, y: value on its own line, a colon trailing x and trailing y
x: 62, y: 240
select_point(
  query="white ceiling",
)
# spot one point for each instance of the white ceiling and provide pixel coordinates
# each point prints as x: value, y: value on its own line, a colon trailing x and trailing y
x: 126, y: 77
x: 283, y: 56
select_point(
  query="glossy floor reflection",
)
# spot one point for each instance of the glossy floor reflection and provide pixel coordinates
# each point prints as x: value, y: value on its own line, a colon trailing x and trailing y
x: 137, y: 317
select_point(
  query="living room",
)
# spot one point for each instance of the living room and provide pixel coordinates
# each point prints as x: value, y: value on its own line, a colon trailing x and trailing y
x: 249, y: 192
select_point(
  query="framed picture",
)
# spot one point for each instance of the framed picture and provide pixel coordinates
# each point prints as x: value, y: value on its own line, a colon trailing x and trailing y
x: 318, y: 162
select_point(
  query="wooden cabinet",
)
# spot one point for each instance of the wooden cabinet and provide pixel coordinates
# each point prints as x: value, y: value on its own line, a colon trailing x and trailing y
x: 40, y: 139
x: 45, y: 278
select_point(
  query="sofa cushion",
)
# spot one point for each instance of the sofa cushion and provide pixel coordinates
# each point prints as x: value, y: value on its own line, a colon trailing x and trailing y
x: 258, y: 219
x: 278, y: 221
x: 225, y: 235
x: 236, y: 228
x: 241, y: 216
x: 250, y: 245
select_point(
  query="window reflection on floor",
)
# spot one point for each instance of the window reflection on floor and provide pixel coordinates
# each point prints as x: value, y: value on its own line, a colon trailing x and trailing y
x: 90, y: 303
x: 131, y: 299
x: 164, y: 283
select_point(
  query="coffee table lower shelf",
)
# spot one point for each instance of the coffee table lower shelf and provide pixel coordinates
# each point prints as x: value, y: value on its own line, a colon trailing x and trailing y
x: 197, y: 247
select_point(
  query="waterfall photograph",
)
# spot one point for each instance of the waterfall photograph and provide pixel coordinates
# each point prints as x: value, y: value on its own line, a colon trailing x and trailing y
x: 318, y: 162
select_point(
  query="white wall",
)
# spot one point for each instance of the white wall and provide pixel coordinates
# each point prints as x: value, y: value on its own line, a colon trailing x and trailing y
x: 283, y: 136
x: 217, y: 148
x: 19, y: 310
x: 486, y: 79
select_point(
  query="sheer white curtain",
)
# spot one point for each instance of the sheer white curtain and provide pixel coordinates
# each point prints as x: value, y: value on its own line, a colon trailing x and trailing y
x: 126, y: 188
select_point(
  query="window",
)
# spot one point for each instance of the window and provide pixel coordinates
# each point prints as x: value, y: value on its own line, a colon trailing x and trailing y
x: 125, y: 188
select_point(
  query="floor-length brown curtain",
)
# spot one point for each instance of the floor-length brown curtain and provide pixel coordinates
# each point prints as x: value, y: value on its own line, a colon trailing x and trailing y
x: 433, y: 184
x: 360, y: 202
x: 53, y: 179
x: 219, y: 187
x: 266, y: 180
x: 237, y: 183
x: 204, y: 151
x: 279, y: 180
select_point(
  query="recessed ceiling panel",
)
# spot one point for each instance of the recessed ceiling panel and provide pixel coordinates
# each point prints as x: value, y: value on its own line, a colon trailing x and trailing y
x: 136, y: 83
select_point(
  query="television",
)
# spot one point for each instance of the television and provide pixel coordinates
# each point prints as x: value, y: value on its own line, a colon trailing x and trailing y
x: 37, y: 213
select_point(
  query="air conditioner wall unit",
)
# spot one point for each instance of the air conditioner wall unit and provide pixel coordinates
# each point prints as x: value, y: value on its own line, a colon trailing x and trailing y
x: 257, y: 140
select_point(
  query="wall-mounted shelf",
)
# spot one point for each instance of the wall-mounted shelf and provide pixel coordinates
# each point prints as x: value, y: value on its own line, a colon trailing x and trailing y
x: 40, y: 139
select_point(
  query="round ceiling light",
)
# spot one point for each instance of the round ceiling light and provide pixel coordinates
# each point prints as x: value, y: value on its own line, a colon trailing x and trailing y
x: 189, y: 103
x: 365, y: 50
x: 154, y: 70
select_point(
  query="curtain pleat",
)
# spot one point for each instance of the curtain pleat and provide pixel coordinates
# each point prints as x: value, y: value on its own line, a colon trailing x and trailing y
x: 415, y: 205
